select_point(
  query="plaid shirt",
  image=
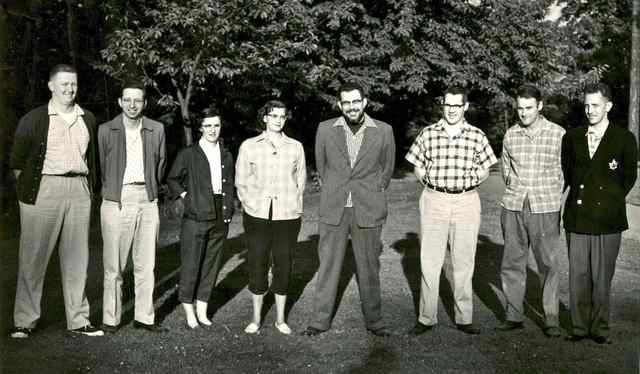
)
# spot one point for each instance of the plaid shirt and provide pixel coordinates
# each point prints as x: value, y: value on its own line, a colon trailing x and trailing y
x: 354, y: 142
x: 531, y: 167
x: 271, y: 175
x: 451, y: 163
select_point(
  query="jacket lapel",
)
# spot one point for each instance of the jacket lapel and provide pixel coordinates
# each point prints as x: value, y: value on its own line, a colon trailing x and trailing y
x: 368, y: 140
x: 341, y: 141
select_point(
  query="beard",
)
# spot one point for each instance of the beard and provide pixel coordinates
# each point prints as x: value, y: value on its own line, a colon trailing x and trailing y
x: 354, y: 122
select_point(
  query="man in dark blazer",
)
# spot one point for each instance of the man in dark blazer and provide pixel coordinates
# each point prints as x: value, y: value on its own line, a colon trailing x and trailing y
x: 355, y: 156
x: 600, y: 167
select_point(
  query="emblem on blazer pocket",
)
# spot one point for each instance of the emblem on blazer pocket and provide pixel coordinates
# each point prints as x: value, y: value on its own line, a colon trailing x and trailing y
x: 613, y: 165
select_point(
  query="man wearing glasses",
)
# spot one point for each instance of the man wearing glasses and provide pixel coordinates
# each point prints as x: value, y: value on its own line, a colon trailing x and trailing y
x: 355, y: 156
x: 132, y: 159
x: 451, y: 158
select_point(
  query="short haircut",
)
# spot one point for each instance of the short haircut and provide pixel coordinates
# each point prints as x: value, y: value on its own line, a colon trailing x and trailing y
x: 134, y: 84
x: 268, y: 107
x: 210, y: 111
x: 529, y: 91
x: 61, y: 68
x: 598, y: 87
x: 455, y: 89
x: 351, y: 86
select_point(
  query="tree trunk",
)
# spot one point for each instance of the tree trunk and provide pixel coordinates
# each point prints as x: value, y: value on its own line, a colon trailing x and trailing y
x: 634, y: 91
x: 72, y: 32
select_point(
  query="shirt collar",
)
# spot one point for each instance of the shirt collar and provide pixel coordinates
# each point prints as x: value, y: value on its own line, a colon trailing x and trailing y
x: 367, y: 122
x: 599, y: 129
x: 440, y: 125
x: 51, y: 109
x: 263, y: 136
x: 534, y: 128
x: 206, y: 146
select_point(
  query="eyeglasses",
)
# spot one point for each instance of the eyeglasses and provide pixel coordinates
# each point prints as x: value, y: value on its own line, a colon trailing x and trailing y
x: 276, y: 117
x: 453, y: 106
x: 351, y: 103
x: 135, y: 101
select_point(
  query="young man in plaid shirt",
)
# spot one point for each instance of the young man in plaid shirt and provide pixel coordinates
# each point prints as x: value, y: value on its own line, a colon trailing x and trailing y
x: 532, y: 172
x: 451, y: 158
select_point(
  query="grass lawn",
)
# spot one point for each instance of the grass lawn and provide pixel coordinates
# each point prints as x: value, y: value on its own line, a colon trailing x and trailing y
x: 347, y: 347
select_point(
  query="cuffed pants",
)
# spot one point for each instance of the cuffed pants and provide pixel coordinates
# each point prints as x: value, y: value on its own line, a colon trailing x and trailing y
x: 541, y: 232
x: 132, y: 226
x: 201, y: 247
x: 592, y: 263
x: 60, y: 215
x: 453, y: 219
x: 331, y: 250
x: 266, y: 237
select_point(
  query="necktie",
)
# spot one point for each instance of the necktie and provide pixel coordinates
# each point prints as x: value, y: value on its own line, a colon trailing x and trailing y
x: 594, y: 141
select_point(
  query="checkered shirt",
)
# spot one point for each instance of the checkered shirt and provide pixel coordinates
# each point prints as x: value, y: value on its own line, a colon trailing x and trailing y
x: 354, y: 142
x: 451, y: 163
x: 269, y: 175
x: 531, y: 167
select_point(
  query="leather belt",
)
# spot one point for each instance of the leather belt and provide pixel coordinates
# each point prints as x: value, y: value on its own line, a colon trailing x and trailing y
x: 68, y: 175
x: 135, y: 184
x: 449, y: 190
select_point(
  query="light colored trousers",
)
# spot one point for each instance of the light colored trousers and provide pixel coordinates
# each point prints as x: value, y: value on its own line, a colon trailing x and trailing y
x: 132, y: 227
x: 541, y: 232
x: 452, y: 219
x: 61, y: 212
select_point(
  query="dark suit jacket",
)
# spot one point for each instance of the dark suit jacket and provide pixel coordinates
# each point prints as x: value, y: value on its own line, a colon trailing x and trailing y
x: 598, y: 186
x: 368, y: 179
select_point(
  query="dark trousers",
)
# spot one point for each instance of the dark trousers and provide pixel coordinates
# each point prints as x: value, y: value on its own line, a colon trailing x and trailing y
x: 268, y: 238
x: 201, y: 246
x: 331, y: 250
x: 592, y: 262
x: 541, y: 232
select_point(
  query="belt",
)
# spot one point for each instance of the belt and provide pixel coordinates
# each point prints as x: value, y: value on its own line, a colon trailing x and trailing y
x: 449, y: 190
x: 68, y: 175
x: 135, y: 184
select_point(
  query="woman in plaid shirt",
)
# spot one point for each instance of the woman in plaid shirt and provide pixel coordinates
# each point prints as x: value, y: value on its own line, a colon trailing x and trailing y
x: 270, y: 179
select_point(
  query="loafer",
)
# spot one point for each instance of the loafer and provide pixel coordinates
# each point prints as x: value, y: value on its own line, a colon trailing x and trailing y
x: 151, y: 328
x: 312, y: 331
x: 110, y: 329
x: 419, y: 329
x: 510, y: 325
x: 382, y: 332
x: 470, y: 328
x: 576, y: 338
x: 552, y: 332
x: 283, y: 328
x: 88, y: 330
x: 252, y: 328
x: 601, y: 340
x: 21, y: 332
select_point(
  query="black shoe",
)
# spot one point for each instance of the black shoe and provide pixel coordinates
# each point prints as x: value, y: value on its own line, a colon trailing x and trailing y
x: 88, y: 330
x: 552, y: 332
x: 470, y: 329
x: 419, y: 329
x: 601, y: 339
x: 510, y: 326
x: 382, y: 332
x: 110, y: 329
x: 312, y: 331
x: 576, y: 338
x: 151, y: 328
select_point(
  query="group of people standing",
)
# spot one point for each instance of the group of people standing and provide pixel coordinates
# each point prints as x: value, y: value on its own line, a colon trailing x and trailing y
x: 59, y: 155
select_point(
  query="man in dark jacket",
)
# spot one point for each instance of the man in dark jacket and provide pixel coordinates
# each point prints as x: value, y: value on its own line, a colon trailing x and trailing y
x: 202, y: 176
x: 600, y: 167
x: 54, y: 162
x: 132, y: 160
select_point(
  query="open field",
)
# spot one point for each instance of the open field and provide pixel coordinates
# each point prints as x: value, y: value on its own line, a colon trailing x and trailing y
x: 347, y: 347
